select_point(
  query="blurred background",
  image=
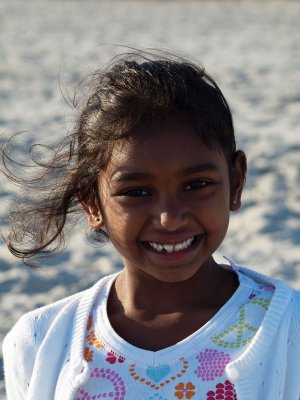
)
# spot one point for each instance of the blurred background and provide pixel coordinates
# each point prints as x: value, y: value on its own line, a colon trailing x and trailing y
x: 250, y: 48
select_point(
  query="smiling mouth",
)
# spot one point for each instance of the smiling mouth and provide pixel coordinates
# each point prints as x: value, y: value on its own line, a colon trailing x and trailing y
x: 172, y: 247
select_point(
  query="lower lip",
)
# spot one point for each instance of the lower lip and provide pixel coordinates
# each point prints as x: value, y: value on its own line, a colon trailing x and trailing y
x: 175, y: 255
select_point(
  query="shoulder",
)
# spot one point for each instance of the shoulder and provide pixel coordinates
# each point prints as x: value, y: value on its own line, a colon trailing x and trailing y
x: 262, y: 279
x: 279, y: 331
x: 35, y: 324
x: 284, y: 294
x: 24, y: 339
x: 284, y: 299
x: 22, y: 343
x: 44, y: 328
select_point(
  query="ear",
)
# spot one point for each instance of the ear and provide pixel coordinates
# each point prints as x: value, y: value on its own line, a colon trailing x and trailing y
x: 92, y: 209
x: 238, y: 179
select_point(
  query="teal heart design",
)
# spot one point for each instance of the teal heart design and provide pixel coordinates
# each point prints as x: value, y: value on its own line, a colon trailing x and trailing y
x: 156, y: 374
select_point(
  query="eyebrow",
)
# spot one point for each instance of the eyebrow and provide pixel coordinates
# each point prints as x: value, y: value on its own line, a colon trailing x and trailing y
x: 125, y: 176
x: 209, y: 166
x: 130, y: 176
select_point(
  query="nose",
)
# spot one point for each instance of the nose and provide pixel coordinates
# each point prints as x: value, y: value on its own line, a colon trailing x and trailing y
x: 170, y: 214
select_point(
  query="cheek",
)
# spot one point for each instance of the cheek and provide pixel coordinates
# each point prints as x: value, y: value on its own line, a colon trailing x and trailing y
x: 216, y: 213
x: 218, y: 223
x: 121, y: 226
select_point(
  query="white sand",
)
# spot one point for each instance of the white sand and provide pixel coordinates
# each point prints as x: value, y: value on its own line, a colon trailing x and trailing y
x: 252, y: 49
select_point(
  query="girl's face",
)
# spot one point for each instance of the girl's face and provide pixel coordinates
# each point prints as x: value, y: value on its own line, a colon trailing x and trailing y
x: 166, y: 200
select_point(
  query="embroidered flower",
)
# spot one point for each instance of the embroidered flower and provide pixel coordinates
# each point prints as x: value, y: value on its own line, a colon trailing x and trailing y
x: 93, y: 340
x: 212, y: 364
x: 113, y: 357
x: 184, y: 391
x: 222, y: 391
x: 88, y: 354
x: 89, y: 323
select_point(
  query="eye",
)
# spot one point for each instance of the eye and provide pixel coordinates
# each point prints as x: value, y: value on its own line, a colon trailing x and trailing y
x: 137, y: 192
x: 196, y: 185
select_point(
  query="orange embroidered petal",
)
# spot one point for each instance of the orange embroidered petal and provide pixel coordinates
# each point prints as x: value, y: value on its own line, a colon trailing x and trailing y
x: 189, y: 394
x: 90, y: 322
x: 88, y: 354
x: 185, y: 391
x: 93, y: 340
x: 190, y: 386
x: 91, y: 337
x: 180, y: 386
x: 99, y: 344
x: 179, y: 395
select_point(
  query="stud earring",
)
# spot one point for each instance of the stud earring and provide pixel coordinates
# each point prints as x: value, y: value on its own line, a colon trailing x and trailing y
x: 234, y: 202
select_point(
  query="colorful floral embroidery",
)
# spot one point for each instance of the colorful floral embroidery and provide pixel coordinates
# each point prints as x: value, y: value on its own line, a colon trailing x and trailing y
x: 112, y: 357
x: 157, y: 374
x: 264, y: 303
x: 88, y: 354
x: 118, y: 386
x: 90, y: 323
x: 184, y: 391
x: 237, y: 340
x: 93, y: 340
x: 241, y: 333
x: 212, y: 364
x: 222, y: 391
x: 176, y: 381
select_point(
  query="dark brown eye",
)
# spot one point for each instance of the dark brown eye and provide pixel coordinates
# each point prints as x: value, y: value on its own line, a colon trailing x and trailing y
x: 196, y: 185
x: 138, y: 192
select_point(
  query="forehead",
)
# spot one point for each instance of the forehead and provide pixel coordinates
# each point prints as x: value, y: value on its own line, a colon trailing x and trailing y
x: 173, y: 144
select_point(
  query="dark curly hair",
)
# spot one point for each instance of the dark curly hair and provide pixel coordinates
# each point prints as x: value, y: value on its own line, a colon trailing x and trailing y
x: 135, y: 89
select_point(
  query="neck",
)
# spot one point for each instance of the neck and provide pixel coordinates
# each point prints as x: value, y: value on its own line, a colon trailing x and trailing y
x: 210, y: 286
x: 153, y: 315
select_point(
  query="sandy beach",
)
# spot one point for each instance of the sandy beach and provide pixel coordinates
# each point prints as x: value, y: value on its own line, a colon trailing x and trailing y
x: 250, y: 48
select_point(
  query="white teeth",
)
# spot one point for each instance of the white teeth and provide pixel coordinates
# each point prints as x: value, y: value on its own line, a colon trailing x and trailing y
x: 178, y: 247
x: 170, y: 248
x: 183, y: 245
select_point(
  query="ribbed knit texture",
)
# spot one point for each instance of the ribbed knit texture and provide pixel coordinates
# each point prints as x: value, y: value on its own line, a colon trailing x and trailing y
x: 44, y: 352
x: 193, y: 368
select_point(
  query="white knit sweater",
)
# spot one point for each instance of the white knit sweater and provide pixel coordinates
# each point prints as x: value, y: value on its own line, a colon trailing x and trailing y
x: 35, y: 349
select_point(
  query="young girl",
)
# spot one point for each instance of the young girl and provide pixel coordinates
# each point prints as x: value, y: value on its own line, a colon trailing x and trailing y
x: 153, y: 163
